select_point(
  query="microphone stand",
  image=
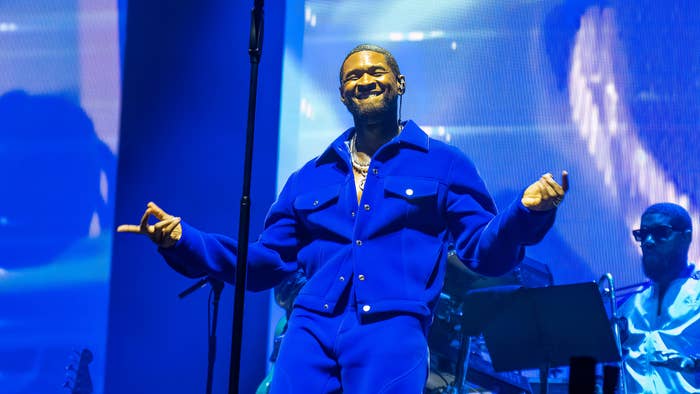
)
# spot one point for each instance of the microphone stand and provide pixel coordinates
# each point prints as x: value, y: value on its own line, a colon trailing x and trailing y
x: 609, y: 291
x: 254, y: 51
x: 217, y: 287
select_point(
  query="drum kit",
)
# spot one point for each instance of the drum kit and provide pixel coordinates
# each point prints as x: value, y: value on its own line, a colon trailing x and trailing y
x: 460, y: 363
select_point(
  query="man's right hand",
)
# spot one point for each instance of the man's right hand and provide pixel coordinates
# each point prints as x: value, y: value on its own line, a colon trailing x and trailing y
x: 164, y: 233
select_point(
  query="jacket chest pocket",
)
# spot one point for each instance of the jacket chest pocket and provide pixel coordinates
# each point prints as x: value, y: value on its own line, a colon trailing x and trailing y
x: 316, y: 209
x: 414, y: 198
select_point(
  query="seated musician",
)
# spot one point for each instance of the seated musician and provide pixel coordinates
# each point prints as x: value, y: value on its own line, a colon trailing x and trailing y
x: 662, y: 339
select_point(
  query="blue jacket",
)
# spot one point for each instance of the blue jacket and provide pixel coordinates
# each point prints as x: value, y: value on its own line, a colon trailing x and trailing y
x: 420, y: 195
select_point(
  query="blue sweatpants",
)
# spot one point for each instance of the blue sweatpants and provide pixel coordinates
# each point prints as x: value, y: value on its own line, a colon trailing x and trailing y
x: 347, y: 354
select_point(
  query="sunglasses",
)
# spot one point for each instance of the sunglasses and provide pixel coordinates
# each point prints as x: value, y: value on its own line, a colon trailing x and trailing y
x: 659, y: 233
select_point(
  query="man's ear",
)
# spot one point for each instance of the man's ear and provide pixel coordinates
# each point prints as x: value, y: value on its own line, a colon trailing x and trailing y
x: 340, y: 90
x: 401, y: 80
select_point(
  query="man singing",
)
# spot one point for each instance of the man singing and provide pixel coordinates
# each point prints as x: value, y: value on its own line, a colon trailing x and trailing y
x: 368, y: 221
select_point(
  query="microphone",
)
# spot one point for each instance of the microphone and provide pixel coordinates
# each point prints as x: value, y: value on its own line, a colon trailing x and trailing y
x: 216, y: 284
x: 256, y: 32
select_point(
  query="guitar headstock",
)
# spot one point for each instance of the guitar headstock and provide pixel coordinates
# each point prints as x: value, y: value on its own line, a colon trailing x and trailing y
x: 78, y: 374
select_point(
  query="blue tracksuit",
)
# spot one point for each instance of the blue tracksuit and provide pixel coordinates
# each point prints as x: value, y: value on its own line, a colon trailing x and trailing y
x: 381, y: 261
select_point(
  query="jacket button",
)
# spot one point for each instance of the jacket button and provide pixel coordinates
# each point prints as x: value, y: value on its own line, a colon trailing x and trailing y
x: 342, y: 279
x: 409, y: 192
x: 366, y: 308
x: 366, y: 207
x: 325, y: 306
x: 352, y: 213
x: 358, y: 243
x: 375, y: 171
x: 315, y: 202
x: 361, y: 277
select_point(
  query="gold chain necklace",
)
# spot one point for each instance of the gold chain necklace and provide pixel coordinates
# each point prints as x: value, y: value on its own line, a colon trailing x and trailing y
x: 361, y: 167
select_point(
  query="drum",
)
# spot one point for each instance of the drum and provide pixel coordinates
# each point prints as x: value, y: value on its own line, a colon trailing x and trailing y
x: 449, y: 347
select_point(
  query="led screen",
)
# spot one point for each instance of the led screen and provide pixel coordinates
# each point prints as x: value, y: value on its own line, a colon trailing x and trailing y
x: 59, y: 111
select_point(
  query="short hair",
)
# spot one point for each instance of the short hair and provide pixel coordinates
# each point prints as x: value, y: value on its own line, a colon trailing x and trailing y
x: 680, y: 219
x: 391, y: 61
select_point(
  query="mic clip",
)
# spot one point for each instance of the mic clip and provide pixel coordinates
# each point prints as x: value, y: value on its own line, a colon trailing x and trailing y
x: 216, y: 284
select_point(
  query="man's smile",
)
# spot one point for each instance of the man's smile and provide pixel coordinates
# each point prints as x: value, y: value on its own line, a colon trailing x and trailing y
x: 368, y: 95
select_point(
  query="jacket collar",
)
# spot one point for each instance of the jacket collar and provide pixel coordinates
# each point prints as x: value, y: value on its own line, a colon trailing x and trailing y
x: 411, y: 135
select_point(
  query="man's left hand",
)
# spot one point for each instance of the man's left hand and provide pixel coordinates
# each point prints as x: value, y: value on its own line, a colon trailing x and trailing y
x: 546, y: 193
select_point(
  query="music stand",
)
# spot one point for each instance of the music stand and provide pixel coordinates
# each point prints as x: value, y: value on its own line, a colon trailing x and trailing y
x: 540, y: 328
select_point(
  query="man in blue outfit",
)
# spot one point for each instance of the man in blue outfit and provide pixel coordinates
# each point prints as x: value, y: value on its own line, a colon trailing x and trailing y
x: 368, y: 221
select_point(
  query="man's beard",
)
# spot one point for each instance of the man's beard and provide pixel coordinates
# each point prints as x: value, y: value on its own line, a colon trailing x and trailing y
x: 654, y: 267
x: 659, y: 267
x: 373, y: 109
